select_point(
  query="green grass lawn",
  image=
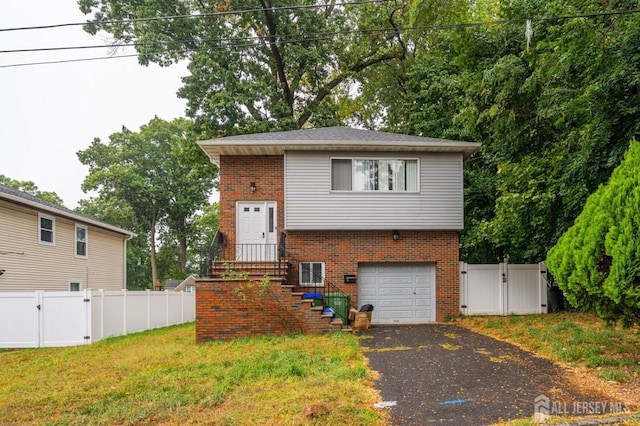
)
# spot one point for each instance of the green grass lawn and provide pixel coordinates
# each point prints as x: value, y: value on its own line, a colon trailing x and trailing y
x: 162, y: 376
x: 601, y: 356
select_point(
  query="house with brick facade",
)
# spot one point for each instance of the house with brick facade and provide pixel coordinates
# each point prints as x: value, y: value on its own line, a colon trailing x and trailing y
x: 350, y: 216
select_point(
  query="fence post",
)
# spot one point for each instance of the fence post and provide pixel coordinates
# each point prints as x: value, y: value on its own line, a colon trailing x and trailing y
x: 463, y: 288
x: 166, y: 308
x: 124, y: 311
x: 148, y: 309
x: 181, y: 301
x: 40, y: 306
x: 504, y: 289
x: 101, y: 292
x: 543, y: 306
x: 88, y: 338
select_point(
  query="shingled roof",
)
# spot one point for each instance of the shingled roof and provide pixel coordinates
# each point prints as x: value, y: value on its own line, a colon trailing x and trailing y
x: 19, y: 197
x: 336, y: 138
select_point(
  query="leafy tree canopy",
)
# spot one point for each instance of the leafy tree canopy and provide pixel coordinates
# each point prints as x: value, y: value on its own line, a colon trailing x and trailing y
x: 597, y: 261
x: 159, y: 175
x: 31, y: 188
x: 257, y: 65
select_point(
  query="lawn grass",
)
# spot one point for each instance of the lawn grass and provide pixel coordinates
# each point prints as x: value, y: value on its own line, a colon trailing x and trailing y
x: 162, y: 376
x: 601, y: 356
x: 577, y: 339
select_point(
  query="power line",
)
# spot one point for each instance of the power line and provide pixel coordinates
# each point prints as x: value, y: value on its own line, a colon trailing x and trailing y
x: 288, y: 38
x: 200, y: 15
x: 282, y: 37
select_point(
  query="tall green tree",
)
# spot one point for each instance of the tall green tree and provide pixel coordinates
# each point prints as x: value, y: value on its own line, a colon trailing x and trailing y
x: 552, y: 112
x: 31, y: 188
x: 257, y: 65
x: 158, y: 173
x: 597, y: 261
x: 117, y: 211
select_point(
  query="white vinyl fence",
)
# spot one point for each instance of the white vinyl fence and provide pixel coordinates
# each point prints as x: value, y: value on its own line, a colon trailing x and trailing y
x: 64, y: 318
x: 503, y: 289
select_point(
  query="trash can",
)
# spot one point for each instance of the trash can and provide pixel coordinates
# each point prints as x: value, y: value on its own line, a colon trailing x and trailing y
x: 556, y: 299
x: 340, y: 304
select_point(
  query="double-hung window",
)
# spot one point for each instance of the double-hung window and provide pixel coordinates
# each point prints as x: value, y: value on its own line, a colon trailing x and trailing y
x: 46, y: 229
x: 384, y: 175
x: 81, y: 241
x: 311, y: 274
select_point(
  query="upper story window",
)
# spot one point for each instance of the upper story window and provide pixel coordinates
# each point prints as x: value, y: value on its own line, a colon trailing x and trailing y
x: 81, y: 241
x: 46, y: 229
x: 350, y: 174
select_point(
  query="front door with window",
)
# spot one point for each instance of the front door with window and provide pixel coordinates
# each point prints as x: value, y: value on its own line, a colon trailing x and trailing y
x: 256, y: 232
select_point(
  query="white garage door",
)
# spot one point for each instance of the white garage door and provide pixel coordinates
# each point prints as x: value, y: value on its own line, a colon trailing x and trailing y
x: 399, y: 292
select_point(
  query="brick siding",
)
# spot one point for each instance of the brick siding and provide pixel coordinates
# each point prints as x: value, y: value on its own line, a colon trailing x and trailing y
x: 341, y: 251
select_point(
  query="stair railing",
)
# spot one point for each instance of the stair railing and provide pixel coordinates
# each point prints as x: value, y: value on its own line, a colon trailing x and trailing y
x: 331, y: 293
x: 214, y: 251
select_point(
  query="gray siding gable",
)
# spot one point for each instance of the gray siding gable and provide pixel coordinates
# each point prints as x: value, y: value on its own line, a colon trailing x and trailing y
x: 311, y: 205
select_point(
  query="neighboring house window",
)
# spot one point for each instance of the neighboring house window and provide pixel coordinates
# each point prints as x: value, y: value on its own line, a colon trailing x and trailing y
x: 75, y: 285
x: 46, y: 229
x: 191, y: 289
x: 311, y: 274
x: 374, y: 175
x: 81, y: 241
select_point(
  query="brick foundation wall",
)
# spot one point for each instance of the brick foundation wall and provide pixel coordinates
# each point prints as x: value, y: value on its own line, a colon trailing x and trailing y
x: 234, y: 309
x: 342, y: 251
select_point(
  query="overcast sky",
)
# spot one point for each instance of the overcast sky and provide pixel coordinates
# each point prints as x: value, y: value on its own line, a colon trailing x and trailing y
x: 49, y: 112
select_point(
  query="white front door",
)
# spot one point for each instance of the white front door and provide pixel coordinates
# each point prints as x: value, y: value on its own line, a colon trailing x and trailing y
x: 256, y: 233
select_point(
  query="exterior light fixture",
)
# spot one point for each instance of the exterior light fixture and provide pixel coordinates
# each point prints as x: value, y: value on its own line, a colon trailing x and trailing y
x: 2, y: 271
x: 252, y: 186
x: 396, y: 235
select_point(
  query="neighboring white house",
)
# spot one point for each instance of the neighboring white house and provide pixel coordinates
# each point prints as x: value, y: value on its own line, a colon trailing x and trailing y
x: 188, y: 284
x: 47, y: 247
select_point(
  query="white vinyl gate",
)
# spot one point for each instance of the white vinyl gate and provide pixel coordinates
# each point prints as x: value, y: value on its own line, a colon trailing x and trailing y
x: 64, y: 318
x: 503, y: 289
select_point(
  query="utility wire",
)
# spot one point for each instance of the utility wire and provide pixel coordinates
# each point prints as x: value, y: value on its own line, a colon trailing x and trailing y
x: 318, y: 36
x: 283, y: 37
x: 200, y: 15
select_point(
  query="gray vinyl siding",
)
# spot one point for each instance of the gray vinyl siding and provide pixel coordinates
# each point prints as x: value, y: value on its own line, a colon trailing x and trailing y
x: 30, y: 265
x: 310, y: 203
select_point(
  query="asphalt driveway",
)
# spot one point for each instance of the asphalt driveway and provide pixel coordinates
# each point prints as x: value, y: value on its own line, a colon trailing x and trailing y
x: 445, y: 374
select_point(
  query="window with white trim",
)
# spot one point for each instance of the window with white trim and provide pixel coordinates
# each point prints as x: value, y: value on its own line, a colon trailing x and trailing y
x: 46, y: 229
x: 75, y: 285
x: 385, y: 175
x: 311, y: 274
x: 81, y: 241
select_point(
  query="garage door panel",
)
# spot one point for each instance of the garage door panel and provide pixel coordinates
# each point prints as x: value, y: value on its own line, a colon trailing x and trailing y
x: 391, y: 316
x: 400, y: 293
x: 385, y: 291
x: 366, y: 292
x: 388, y: 303
x: 394, y: 268
x: 395, y: 279
x: 426, y: 315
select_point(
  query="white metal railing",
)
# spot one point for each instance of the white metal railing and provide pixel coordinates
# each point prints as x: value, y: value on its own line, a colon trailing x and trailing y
x: 63, y: 318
